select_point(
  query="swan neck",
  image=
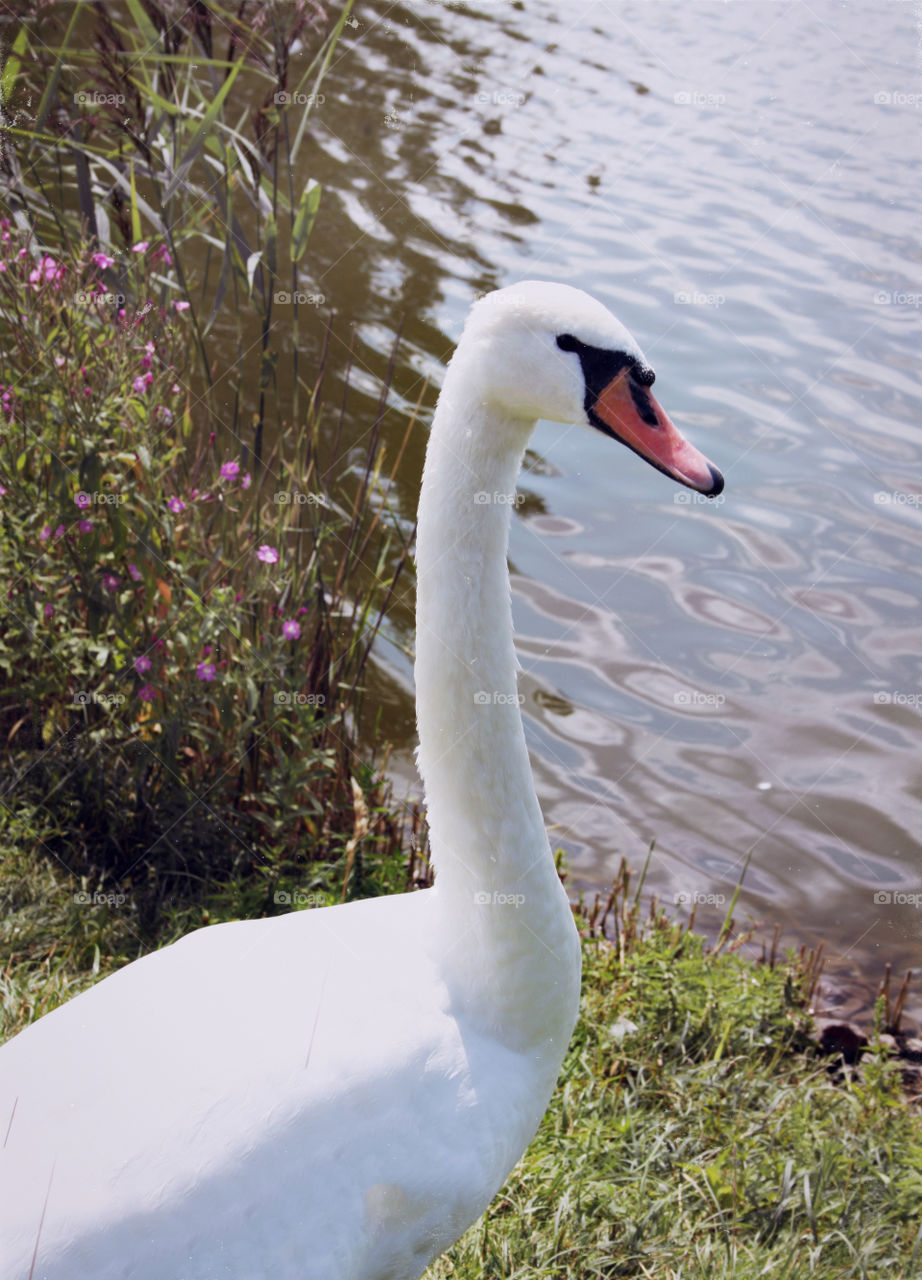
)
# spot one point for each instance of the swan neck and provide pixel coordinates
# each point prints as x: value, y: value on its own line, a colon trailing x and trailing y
x: 473, y: 757
x: 497, y: 893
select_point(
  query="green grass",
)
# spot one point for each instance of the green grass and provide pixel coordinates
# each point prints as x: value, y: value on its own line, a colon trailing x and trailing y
x: 711, y: 1142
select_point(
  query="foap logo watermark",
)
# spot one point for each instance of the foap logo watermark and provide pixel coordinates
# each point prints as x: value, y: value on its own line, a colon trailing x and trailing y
x: 83, y: 898
x: 897, y: 498
x: 83, y: 698
x: 896, y: 98
x: 698, y: 98
x: 285, y: 299
x: 295, y: 898
x: 484, y: 499
x: 292, y: 698
x: 283, y: 99
x: 93, y: 298
x: 897, y: 298
x: 497, y: 899
x: 84, y: 500
x: 296, y: 498
x: 688, y: 498
x: 689, y: 897
x: 695, y: 698
x: 501, y: 98
x: 896, y: 698
x: 897, y: 898
x: 484, y: 699
x: 695, y: 298
x: 92, y: 98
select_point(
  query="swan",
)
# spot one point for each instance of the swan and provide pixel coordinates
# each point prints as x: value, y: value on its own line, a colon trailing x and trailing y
x: 337, y: 1094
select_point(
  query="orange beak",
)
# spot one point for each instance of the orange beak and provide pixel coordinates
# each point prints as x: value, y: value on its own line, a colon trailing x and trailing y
x: 627, y: 410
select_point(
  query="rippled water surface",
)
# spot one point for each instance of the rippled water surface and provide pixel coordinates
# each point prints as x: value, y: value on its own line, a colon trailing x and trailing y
x: 740, y: 184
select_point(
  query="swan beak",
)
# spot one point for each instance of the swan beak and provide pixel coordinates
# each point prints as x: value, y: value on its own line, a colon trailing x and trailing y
x: 627, y: 410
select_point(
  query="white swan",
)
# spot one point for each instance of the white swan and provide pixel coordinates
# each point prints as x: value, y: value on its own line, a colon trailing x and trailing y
x: 338, y: 1094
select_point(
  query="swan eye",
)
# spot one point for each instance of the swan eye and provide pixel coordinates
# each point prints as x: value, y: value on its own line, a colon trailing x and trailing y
x: 600, y: 365
x: 643, y: 374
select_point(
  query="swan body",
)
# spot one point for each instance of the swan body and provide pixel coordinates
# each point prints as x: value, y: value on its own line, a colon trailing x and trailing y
x: 337, y: 1094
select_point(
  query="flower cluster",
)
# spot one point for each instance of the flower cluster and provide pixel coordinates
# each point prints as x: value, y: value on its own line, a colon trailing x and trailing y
x: 229, y: 472
x: 47, y: 271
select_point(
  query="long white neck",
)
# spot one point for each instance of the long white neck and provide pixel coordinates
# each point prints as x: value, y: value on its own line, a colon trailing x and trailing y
x: 516, y: 960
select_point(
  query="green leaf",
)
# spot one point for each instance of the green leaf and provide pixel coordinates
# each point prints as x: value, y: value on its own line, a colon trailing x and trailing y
x: 12, y: 64
x: 307, y: 212
x: 135, y: 214
x: 147, y: 29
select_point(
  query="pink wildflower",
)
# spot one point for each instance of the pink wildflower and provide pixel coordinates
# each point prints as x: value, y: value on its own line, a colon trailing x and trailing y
x: 142, y: 663
x: 291, y: 629
x: 47, y: 269
x: 205, y: 671
x: 267, y: 554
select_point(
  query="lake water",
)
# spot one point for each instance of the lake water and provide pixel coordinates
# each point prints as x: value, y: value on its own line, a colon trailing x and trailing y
x: 740, y: 183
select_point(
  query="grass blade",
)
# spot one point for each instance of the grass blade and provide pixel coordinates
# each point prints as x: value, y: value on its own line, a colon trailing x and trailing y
x: 12, y: 64
x: 146, y: 28
x: 200, y: 134
x: 331, y: 44
x: 51, y: 87
x: 304, y: 221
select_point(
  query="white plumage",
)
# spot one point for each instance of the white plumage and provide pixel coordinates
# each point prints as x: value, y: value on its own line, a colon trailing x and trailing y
x: 337, y: 1094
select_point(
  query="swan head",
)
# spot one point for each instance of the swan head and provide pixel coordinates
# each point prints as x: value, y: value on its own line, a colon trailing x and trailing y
x: 543, y: 350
